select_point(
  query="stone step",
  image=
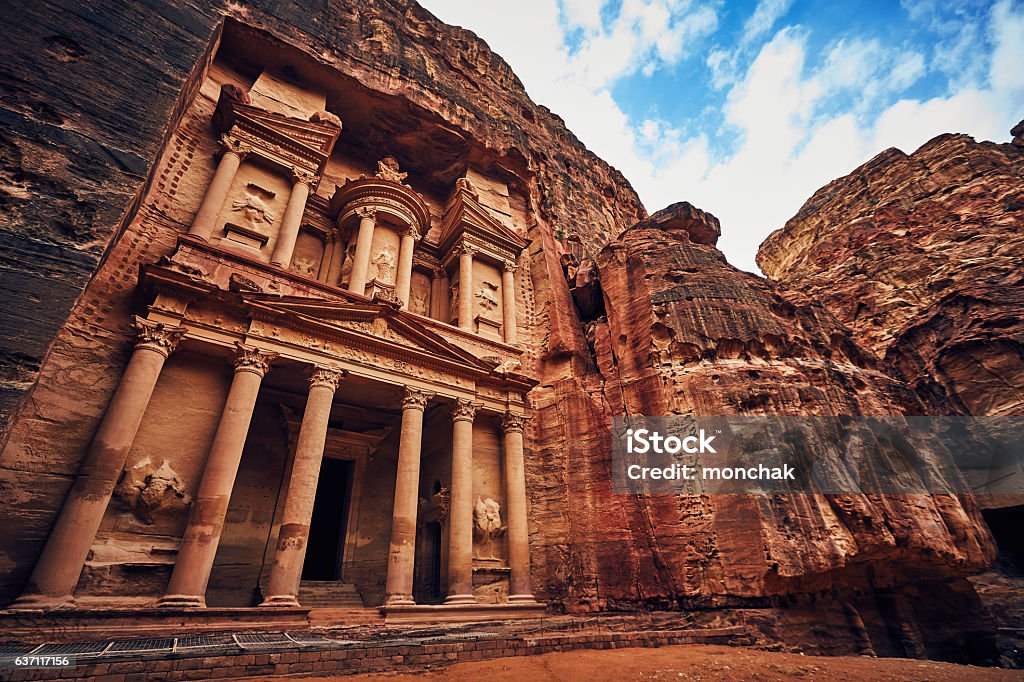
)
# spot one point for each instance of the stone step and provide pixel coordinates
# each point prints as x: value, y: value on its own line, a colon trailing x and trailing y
x: 329, y: 594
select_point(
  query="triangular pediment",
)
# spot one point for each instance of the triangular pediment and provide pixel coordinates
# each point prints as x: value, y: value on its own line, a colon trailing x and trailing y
x: 318, y: 137
x: 364, y: 323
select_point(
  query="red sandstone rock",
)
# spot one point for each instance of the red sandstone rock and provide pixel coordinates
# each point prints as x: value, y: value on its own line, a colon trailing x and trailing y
x: 920, y: 256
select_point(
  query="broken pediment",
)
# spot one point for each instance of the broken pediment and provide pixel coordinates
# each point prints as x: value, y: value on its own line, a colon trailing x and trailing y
x: 284, y: 141
x: 464, y: 216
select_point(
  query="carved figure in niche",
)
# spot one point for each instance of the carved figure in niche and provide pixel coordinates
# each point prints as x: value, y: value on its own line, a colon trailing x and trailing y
x: 346, y: 265
x: 487, y: 525
x: 488, y: 295
x: 305, y: 266
x: 253, y: 207
x: 385, y: 262
x: 454, y: 306
x: 387, y: 168
x: 418, y: 304
x: 146, y: 490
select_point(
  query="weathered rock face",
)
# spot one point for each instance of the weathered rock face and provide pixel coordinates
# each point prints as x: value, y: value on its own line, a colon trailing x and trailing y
x: 920, y: 256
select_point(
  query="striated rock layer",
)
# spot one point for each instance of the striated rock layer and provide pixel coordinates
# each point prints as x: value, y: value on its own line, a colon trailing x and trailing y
x: 626, y: 315
x: 920, y: 256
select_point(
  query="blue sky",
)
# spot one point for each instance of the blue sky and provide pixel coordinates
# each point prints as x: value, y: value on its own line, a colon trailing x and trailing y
x: 746, y: 108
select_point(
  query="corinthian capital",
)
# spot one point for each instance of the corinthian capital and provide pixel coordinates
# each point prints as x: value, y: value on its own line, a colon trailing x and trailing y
x: 156, y: 335
x: 464, y: 410
x: 511, y: 266
x: 415, y: 399
x: 233, y: 145
x: 251, y: 359
x: 304, y: 177
x: 366, y: 212
x: 326, y: 377
x: 513, y: 423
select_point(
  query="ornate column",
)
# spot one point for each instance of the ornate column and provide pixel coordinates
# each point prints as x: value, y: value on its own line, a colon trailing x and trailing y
x: 401, y: 557
x: 364, y: 241
x: 334, y: 269
x: 302, y: 182
x: 322, y: 275
x: 515, y: 499
x: 460, y: 515
x: 404, y: 279
x: 508, y: 303
x: 187, y: 587
x: 59, y: 566
x: 444, y: 311
x: 466, y: 287
x: 231, y: 158
x: 285, y: 574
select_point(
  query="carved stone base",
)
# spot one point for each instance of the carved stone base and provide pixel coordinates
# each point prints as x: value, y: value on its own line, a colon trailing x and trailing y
x: 280, y: 601
x: 181, y: 601
x: 40, y: 603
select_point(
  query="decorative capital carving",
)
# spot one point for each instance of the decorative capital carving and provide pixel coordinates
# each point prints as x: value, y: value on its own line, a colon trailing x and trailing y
x: 513, y: 423
x: 411, y: 231
x: 466, y: 249
x: 250, y: 359
x: 366, y: 212
x: 233, y: 145
x: 464, y: 410
x: 440, y: 273
x: 511, y: 266
x: 326, y: 376
x: 415, y: 399
x: 156, y: 335
x: 300, y: 175
x: 326, y: 117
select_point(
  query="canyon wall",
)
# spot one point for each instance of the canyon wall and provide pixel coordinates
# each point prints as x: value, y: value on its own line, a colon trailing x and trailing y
x: 920, y: 256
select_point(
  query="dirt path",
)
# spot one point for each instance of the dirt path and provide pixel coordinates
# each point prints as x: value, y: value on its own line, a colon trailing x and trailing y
x: 696, y: 663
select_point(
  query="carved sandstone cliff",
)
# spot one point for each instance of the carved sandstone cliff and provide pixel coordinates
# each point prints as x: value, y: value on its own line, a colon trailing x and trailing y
x: 920, y: 255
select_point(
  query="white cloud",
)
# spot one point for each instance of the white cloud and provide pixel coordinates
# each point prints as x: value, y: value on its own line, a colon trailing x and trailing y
x: 797, y: 125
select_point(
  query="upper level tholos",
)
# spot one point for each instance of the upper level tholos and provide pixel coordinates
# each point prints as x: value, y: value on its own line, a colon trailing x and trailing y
x: 324, y: 181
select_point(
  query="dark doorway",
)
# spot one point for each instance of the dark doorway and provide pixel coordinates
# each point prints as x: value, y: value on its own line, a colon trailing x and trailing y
x: 1006, y: 525
x: 427, y: 587
x: 330, y: 519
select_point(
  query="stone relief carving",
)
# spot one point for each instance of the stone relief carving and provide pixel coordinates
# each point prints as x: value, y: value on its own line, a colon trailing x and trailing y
x: 385, y: 262
x: 325, y: 117
x: 387, y: 168
x: 254, y: 207
x: 488, y: 295
x: 418, y: 302
x: 453, y: 307
x: 146, y: 490
x: 346, y: 265
x: 304, y: 265
x: 239, y: 282
x: 487, y: 525
x: 184, y: 268
x: 508, y: 367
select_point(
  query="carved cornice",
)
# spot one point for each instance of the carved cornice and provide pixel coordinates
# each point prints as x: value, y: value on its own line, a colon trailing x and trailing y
x: 384, y: 196
x: 513, y: 423
x: 464, y: 410
x: 251, y: 359
x: 325, y: 376
x: 415, y: 399
x: 156, y: 336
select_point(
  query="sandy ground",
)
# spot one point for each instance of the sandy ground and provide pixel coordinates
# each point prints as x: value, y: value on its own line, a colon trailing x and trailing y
x: 695, y: 663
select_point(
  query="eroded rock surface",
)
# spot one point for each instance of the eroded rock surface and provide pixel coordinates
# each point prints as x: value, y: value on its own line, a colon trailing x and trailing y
x: 920, y: 255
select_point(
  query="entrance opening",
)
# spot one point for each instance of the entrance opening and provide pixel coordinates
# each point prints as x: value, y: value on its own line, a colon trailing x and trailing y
x: 1005, y: 525
x: 326, y: 546
x: 427, y: 586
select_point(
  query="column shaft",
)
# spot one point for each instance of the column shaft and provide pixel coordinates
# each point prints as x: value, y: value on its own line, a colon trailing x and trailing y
x: 323, y: 273
x: 187, y: 587
x: 291, y: 221
x: 334, y: 270
x: 508, y: 304
x: 444, y: 309
x: 404, y: 279
x: 364, y: 242
x: 217, y: 192
x: 460, y: 514
x: 520, y: 590
x: 286, y: 573
x: 401, y: 557
x: 59, y: 566
x: 466, y: 290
